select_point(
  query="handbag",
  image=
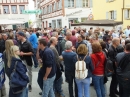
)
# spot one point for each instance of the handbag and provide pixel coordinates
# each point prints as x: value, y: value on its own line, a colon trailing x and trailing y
x: 17, y: 83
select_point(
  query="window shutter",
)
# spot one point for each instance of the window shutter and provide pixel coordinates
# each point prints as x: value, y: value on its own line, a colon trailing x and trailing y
x: 126, y: 14
x: 107, y: 15
x: 90, y: 3
x: 60, y: 4
x: 66, y: 3
x: 115, y: 14
x: 80, y: 3
x: 107, y: 0
x: 77, y: 3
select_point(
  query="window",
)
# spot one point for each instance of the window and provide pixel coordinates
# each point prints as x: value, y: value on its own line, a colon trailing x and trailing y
x: 47, y: 9
x: 6, y: 9
x: 14, y: 9
x: 85, y: 3
x: 21, y: 8
x: 70, y: 3
x: 112, y: 15
x: 127, y: 14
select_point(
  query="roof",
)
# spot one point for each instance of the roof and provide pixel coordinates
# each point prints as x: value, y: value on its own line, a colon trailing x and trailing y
x: 99, y: 23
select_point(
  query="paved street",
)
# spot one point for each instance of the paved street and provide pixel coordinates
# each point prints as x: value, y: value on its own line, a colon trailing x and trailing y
x: 36, y: 89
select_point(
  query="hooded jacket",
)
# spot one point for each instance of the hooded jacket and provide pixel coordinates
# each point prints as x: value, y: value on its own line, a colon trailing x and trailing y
x: 20, y: 68
x: 98, y: 60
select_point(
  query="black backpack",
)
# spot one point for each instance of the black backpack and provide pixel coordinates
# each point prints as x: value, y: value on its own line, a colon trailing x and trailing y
x: 123, y: 71
x: 109, y: 70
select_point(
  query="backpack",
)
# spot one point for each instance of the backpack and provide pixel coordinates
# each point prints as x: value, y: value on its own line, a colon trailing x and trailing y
x: 109, y: 70
x: 81, y: 72
x: 123, y: 71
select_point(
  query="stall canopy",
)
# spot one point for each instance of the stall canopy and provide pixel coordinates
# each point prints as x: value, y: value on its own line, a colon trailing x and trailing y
x: 10, y: 22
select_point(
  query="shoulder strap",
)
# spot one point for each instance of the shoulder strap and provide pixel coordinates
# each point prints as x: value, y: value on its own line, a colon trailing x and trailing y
x: 77, y: 58
x: 15, y: 65
x: 85, y: 56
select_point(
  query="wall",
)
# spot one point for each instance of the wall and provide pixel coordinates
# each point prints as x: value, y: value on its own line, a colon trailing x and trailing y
x: 127, y: 6
x: 100, y: 9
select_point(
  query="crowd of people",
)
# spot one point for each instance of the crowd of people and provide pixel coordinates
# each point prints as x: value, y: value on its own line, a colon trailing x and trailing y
x: 79, y: 54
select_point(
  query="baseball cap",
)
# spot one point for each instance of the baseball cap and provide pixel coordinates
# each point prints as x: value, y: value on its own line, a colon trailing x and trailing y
x: 21, y: 34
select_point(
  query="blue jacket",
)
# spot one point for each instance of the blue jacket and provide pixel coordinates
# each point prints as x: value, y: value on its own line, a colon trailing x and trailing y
x: 20, y: 68
x: 88, y: 62
x: 33, y: 40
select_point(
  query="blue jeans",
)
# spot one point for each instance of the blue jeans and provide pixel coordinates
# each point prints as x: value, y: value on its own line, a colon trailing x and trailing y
x: 98, y: 82
x: 34, y: 57
x: 24, y: 93
x: 83, y: 87
x: 48, y: 87
x: 58, y: 86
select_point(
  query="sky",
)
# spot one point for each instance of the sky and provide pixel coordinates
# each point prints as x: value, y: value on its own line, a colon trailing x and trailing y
x: 31, y: 7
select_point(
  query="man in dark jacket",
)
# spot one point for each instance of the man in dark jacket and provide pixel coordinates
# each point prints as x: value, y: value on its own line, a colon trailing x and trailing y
x: 80, y: 41
x: 26, y: 55
x: 47, y: 72
x: 112, y: 52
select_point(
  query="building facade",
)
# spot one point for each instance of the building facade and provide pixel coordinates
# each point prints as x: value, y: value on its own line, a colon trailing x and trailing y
x: 12, y: 9
x: 60, y: 13
x: 118, y: 10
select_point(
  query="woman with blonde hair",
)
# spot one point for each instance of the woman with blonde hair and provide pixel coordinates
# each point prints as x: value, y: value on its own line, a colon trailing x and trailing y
x: 84, y: 84
x: 18, y: 78
x: 7, y: 55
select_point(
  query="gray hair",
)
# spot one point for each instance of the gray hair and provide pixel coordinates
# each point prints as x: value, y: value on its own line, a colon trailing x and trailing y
x: 52, y: 39
x: 68, y: 33
x: 68, y: 45
x: 54, y: 34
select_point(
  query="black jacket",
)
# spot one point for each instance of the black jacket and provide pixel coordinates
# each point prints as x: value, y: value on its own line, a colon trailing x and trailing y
x: 112, y: 52
x: 26, y: 47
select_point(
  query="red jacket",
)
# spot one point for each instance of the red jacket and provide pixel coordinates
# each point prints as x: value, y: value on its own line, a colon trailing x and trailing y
x: 98, y: 60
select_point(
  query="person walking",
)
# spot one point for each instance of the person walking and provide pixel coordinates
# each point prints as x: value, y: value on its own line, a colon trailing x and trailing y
x: 26, y: 52
x: 84, y: 84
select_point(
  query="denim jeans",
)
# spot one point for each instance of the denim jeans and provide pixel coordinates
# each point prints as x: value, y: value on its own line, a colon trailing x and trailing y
x: 58, y: 86
x: 98, y: 82
x: 83, y: 87
x: 24, y: 93
x: 34, y: 57
x: 48, y: 87
x: 40, y: 80
x: 70, y: 77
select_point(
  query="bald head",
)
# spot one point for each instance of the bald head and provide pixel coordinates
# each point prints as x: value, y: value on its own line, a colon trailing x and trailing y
x: 116, y: 41
x: 53, y: 40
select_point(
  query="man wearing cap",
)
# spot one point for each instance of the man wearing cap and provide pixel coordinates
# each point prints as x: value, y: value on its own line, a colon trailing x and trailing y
x: 26, y: 52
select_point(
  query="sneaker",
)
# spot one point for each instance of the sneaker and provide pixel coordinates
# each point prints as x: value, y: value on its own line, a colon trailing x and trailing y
x: 40, y: 93
x: 30, y: 88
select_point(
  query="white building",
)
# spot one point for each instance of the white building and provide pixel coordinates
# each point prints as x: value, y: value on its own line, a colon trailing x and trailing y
x: 12, y: 9
x: 60, y: 13
x: 38, y: 20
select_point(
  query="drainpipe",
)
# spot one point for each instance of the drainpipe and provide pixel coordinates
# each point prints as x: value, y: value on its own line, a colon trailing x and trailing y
x: 123, y: 10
